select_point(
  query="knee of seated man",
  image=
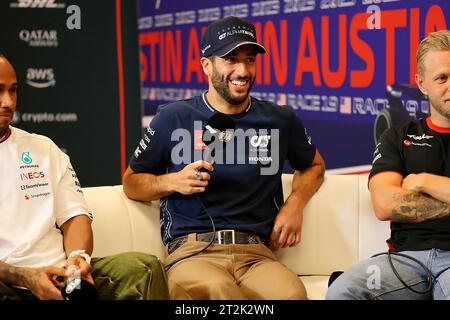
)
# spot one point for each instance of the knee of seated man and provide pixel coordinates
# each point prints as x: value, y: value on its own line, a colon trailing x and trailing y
x: 138, y: 259
x: 340, y: 288
x: 133, y: 263
x: 296, y: 292
x: 299, y: 294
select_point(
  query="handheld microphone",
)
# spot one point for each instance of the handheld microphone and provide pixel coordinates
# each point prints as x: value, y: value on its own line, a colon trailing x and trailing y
x: 216, y: 133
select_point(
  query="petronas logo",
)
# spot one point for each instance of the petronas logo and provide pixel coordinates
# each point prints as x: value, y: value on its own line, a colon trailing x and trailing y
x: 26, y: 158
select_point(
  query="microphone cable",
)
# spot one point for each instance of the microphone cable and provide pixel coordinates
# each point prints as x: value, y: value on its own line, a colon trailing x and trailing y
x: 430, y: 278
x: 168, y: 266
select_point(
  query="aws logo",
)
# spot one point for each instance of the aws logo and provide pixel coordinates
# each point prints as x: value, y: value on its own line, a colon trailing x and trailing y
x: 40, y: 78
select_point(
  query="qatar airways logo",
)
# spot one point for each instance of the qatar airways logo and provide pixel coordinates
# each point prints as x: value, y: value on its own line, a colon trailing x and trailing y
x: 32, y: 175
x: 47, y: 4
x: 41, y: 78
x: 39, y: 38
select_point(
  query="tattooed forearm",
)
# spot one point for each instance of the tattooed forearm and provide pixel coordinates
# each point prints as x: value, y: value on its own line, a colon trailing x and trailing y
x: 15, y: 275
x: 8, y: 273
x: 414, y: 207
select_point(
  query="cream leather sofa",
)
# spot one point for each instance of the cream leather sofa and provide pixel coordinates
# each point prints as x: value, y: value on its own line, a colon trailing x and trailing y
x: 339, y: 228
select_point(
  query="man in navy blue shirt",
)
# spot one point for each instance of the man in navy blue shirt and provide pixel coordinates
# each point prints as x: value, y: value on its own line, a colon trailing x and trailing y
x: 221, y: 219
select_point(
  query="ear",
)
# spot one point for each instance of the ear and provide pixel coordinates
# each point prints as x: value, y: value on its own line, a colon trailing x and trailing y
x: 206, y: 65
x: 420, y: 84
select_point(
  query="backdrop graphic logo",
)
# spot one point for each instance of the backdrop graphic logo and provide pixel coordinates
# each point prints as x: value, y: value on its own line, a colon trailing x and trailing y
x: 39, y: 38
x: 73, y: 22
x: 333, y: 72
x: 374, y: 20
x: 47, y: 4
x: 40, y: 78
x: 373, y: 281
x: 26, y: 158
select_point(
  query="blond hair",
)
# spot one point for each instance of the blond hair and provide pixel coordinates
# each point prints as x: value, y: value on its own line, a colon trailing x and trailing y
x: 439, y: 40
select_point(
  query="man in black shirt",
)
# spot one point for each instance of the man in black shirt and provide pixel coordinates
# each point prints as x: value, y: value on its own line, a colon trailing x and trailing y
x: 410, y: 187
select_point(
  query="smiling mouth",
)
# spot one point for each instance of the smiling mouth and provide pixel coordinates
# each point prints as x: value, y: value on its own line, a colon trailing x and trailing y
x: 239, y: 83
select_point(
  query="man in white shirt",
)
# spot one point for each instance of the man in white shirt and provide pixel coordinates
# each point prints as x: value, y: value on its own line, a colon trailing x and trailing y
x: 45, y: 225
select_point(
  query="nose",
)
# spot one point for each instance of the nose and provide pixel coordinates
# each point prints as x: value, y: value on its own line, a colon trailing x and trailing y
x: 242, y: 69
x: 5, y: 100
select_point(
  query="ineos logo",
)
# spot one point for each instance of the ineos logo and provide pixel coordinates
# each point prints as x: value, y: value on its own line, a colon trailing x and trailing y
x: 32, y: 175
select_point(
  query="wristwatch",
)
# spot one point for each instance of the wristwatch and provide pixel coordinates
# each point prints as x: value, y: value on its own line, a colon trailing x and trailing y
x: 80, y: 253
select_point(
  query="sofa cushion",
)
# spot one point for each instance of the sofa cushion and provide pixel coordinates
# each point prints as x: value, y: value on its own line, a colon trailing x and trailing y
x: 316, y: 286
x: 339, y: 228
x: 330, y: 228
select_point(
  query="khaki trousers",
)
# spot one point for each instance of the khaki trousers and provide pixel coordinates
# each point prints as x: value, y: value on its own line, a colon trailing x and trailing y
x: 230, y: 272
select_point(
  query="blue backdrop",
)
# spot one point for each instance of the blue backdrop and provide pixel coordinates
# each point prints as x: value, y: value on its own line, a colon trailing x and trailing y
x: 331, y: 60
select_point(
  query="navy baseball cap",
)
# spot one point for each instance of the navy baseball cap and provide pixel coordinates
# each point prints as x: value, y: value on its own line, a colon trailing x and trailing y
x: 223, y: 36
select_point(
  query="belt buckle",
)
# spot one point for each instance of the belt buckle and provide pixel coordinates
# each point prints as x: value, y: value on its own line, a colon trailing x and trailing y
x: 221, y: 236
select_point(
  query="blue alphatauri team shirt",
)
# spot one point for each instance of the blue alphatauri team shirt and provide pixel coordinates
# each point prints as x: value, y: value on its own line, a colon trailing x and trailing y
x: 245, y: 191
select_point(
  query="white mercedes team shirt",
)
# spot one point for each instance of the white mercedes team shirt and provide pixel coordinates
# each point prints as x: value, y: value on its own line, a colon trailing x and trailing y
x: 39, y: 191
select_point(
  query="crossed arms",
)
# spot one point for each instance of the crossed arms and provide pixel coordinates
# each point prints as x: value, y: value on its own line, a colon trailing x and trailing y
x: 413, y: 199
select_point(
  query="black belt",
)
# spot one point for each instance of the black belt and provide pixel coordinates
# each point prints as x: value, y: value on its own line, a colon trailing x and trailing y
x: 220, y: 237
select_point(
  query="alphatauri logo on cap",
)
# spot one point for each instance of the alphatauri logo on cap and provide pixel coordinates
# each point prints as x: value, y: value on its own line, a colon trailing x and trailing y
x: 231, y: 31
